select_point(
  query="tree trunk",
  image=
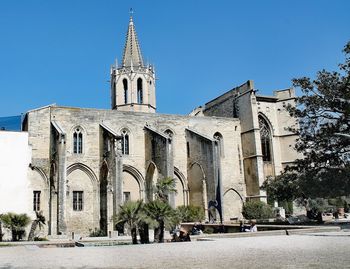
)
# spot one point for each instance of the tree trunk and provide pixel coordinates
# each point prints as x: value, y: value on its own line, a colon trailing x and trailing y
x: 32, y: 230
x: 157, y: 234
x: 134, y: 235
x: 144, y: 236
x: 161, y: 231
x: 14, y: 235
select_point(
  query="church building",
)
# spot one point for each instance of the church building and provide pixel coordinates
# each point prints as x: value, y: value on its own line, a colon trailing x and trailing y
x: 86, y: 162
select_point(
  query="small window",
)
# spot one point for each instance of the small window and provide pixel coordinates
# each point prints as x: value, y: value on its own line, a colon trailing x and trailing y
x: 126, y: 196
x: 139, y: 91
x: 188, y: 149
x: 36, y: 200
x: 78, y: 141
x: 125, y: 142
x: 77, y: 200
x: 125, y: 85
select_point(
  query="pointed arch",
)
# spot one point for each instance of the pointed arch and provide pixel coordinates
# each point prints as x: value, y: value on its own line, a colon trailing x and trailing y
x: 133, y: 183
x: 151, y: 178
x: 265, y: 137
x: 220, y: 142
x: 181, y: 187
x: 85, y: 169
x: 233, y: 203
x: 136, y: 174
x: 232, y: 189
x: 197, y: 186
x: 41, y: 173
x: 81, y: 197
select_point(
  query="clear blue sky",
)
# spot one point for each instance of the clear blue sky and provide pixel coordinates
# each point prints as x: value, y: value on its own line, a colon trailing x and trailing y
x: 60, y: 51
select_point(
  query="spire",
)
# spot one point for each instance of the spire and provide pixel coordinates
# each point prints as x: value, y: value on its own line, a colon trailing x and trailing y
x: 132, y: 52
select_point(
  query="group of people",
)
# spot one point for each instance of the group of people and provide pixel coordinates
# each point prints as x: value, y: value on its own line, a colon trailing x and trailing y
x: 182, y: 235
x: 251, y: 228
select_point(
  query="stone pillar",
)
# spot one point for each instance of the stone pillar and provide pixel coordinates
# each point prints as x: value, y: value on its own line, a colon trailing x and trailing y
x: 205, y: 198
x: 110, y: 196
x: 170, y: 168
x: 61, y: 221
x: 118, y: 177
x: 52, y: 223
x: 217, y: 177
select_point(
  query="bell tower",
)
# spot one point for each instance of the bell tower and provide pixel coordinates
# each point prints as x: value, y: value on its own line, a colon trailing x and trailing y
x: 133, y: 82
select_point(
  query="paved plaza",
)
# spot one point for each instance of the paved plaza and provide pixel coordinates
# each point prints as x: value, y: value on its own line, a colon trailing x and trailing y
x: 296, y: 251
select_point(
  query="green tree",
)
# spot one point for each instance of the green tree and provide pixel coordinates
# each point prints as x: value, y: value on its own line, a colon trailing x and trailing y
x: 129, y: 213
x: 323, y: 115
x: 39, y: 221
x: 164, y: 187
x: 16, y: 223
x: 163, y: 214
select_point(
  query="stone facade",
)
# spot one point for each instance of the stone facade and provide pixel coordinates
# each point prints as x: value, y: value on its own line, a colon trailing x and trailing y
x: 266, y: 140
x: 87, y: 162
x: 190, y: 155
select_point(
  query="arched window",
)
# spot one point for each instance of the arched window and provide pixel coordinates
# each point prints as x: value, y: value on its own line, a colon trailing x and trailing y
x: 125, y: 85
x: 169, y: 133
x: 125, y: 142
x: 78, y: 141
x: 218, y: 138
x: 139, y: 91
x: 265, y: 137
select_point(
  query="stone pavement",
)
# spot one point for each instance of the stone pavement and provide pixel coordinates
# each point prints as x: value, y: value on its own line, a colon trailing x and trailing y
x: 295, y: 251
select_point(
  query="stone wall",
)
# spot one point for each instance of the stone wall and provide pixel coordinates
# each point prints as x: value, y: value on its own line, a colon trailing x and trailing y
x: 87, y: 165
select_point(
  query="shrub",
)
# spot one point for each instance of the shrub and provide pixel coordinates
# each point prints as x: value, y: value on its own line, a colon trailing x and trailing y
x: 97, y: 233
x: 257, y: 210
x: 190, y: 213
x: 37, y: 238
x: 16, y: 223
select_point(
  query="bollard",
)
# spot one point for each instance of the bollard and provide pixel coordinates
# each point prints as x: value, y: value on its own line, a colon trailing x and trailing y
x: 72, y: 235
x: 109, y: 234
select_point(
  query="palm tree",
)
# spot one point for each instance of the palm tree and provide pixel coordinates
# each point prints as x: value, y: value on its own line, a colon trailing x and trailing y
x: 130, y: 213
x: 163, y: 214
x: 16, y: 223
x: 164, y: 187
x: 39, y: 221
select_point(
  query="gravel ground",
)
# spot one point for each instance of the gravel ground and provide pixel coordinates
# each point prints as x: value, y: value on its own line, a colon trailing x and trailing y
x: 297, y: 251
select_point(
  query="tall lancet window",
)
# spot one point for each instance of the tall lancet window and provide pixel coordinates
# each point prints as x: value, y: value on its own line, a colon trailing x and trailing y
x: 125, y: 85
x: 78, y: 141
x: 265, y: 137
x: 219, y: 141
x: 125, y: 142
x: 139, y: 91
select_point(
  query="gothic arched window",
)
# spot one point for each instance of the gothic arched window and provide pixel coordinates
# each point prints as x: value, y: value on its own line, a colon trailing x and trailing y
x: 78, y: 141
x: 125, y: 142
x: 125, y: 85
x: 139, y: 91
x: 169, y: 133
x: 219, y: 141
x: 265, y: 137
